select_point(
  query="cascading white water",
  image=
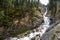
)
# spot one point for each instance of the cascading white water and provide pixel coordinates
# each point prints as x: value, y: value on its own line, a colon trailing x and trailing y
x: 44, y: 2
x: 46, y: 19
x: 45, y: 26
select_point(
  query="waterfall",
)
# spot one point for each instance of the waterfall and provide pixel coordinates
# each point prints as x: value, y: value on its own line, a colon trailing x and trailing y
x: 44, y: 2
x: 42, y: 28
x: 46, y: 19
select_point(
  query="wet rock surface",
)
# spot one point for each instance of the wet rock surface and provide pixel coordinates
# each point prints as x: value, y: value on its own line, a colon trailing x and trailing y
x: 50, y: 34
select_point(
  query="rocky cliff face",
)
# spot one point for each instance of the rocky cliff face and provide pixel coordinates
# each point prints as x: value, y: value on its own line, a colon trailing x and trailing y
x: 22, y: 25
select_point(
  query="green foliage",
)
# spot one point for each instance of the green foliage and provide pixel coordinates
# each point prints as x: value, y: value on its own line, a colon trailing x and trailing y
x: 14, y: 9
x: 20, y: 31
